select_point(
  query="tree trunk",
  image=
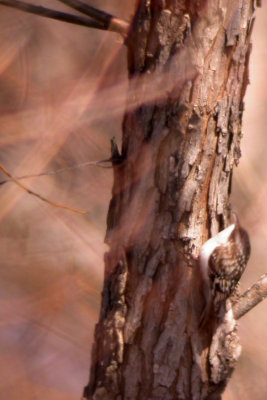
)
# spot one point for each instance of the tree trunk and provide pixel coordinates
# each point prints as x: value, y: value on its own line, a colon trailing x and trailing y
x: 188, y: 70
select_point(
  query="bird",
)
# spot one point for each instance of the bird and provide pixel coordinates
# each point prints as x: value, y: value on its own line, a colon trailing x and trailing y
x: 222, y: 260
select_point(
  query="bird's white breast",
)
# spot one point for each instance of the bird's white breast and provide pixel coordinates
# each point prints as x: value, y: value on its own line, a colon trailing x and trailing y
x: 210, y: 245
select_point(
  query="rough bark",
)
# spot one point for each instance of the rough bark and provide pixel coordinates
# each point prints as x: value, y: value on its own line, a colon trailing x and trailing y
x: 188, y: 70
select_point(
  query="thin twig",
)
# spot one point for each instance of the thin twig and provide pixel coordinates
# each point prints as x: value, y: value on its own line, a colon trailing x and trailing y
x: 253, y: 296
x: 60, y: 170
x: 110, y: 22
x: 53, y: 203
x: 99, y: 19
x: 47, y: 12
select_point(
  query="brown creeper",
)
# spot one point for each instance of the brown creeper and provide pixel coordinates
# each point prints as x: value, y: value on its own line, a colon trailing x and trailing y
x: 223, y: 260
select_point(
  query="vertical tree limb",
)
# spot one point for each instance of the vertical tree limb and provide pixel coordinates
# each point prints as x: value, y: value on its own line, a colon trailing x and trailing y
x: 171, y: 192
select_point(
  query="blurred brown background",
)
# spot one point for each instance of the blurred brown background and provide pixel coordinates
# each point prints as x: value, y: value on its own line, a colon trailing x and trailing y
x: 62, y: 96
